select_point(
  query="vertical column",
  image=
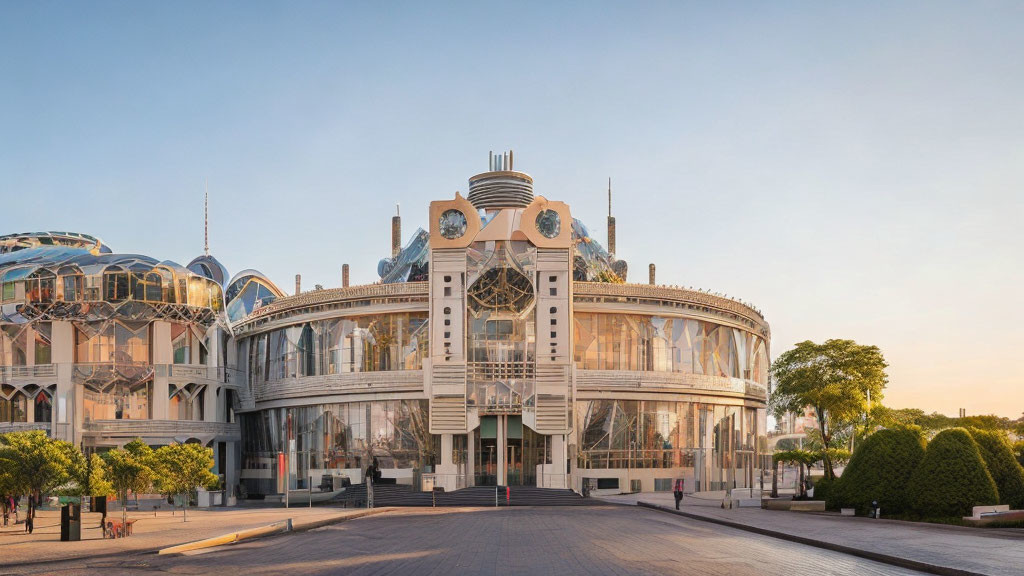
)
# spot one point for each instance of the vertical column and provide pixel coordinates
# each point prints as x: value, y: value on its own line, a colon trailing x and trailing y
x: 447, y: 469
x: 502, y: 448
x: 163, y: 356
x: 471, y: 458
x: 64, y: 398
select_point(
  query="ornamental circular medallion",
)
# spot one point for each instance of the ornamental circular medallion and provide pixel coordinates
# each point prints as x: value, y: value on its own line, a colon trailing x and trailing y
x: 549, y: 223
x: 452, y: 224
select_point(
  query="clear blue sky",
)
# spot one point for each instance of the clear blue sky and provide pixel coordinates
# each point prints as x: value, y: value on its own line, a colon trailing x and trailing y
x: 855, y: 169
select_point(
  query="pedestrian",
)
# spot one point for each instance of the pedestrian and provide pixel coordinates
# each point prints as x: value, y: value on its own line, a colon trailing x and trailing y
x: 677, y: 491
x: 29, y: 521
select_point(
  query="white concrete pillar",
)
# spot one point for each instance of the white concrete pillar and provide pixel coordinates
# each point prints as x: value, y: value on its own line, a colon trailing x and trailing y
x: 62, y: 354
x: 471, y: 458
x: 163, y: 355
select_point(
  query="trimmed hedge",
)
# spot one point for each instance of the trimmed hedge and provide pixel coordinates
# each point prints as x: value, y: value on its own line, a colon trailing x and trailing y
x: 1002, y: 465
x: 952, y: 478
x: 879, y: 469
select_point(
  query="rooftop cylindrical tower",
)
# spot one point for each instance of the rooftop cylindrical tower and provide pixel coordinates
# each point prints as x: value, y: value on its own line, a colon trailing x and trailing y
x: 396, y: 232
x: 501, y: 186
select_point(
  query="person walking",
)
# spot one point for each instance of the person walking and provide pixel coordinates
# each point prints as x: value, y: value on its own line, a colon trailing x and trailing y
x: 677, y: 491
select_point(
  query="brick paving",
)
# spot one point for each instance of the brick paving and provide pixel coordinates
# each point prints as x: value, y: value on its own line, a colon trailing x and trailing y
x: 151, y: 530
x: 593, y: 540
x: 976, y: 550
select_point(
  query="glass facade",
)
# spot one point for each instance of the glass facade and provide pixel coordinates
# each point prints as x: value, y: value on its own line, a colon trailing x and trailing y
x: 338, y: 438
x: 667, y: 344
x: 711, y: 445
x: 370, y: 343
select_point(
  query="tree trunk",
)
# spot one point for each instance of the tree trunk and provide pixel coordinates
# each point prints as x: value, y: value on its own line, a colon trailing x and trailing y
x: 775, y: 479
x: 826, y: 440
x: 802, y: 491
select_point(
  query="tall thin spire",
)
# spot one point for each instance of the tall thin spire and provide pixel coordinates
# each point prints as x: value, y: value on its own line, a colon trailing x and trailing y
x: 609, y: 196
x: 206, y: 217
x: 611, y: 222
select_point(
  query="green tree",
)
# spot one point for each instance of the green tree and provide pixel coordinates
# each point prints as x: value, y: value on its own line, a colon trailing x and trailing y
x: 952, y: 477
x: 36, y: 463
x: 834, y: 379
x: 128, y: 470
x: 802, y: 458
x: 1002, y: 465
x: 186, y: 467
x: 880, y: 470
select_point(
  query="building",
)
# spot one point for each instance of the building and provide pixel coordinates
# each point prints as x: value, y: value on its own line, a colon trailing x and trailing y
x: 501, y: 347
x: 99, y: 348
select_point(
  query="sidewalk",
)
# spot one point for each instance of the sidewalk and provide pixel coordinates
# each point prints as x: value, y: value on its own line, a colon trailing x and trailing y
x: 951, y: 549
x: 151, y: 531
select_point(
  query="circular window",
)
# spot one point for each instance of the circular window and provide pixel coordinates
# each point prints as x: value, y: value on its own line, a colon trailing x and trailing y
x: 549, y: 223
x: 501, y: 290
x: 452, y: 224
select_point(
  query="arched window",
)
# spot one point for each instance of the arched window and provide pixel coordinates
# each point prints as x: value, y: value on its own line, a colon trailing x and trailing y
x: 13, y: 405
x: 43, y: 406
x: 115, y: 284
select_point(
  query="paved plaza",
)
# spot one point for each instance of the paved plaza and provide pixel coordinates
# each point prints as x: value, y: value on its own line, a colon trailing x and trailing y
x: 152, y: 531
x: 970, y: 550
x: 588, y: 540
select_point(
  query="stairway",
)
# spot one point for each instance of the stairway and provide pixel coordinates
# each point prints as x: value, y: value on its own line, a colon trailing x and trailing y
x: 476, y: 496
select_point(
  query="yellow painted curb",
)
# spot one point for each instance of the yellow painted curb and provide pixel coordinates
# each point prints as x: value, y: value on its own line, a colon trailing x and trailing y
x: 276, y: 527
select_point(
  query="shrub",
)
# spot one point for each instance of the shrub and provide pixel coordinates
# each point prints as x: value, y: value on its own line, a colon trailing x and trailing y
x: 952, y: 477
x: 822, y: 488
x: 879, y: 469
x: 1002, y: 465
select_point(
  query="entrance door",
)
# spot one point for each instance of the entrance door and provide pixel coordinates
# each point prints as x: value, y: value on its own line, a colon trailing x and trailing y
x: 485, y: 465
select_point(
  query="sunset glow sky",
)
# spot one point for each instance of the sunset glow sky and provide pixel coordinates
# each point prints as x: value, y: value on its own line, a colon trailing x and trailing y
x: 856, y: 170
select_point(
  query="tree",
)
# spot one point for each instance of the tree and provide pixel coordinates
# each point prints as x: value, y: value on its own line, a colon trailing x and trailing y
x: 952, y: 477
x: 834, y: 379
x: 128, y: 471
x: 1002, y: 465
x: 879, y: 471
x: 186, y: 467
x: 35, y: 462
x: 802, y: 458
x: 87, y: 477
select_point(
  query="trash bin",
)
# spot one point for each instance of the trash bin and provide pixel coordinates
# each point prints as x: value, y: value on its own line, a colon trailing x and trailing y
x: 70, y: 523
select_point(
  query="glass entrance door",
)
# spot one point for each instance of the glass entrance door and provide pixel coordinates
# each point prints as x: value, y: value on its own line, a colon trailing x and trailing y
x: 485, y: 465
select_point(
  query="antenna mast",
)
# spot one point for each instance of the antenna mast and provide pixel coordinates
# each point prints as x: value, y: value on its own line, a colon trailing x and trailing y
x: 206, y: 217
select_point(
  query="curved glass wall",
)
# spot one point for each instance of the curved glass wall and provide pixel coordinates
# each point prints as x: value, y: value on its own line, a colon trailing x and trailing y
x: 55, y: 274
x: 372, y: 343
x: 667, y: 344
x: 712, y: 445
x: 336, y: 439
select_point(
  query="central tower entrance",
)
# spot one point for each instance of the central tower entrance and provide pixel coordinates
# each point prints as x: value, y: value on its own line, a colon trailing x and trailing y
x: 507, y: 452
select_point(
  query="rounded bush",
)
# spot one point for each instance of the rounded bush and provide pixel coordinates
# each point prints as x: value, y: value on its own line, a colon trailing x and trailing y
x: 1002, y: 465
x: 879, y: 470
x: 952, y: 477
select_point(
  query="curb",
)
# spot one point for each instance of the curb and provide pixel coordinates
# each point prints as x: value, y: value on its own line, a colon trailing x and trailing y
x: 858, y: 552
x: 281, y: 527
x: 231, y: 538
x: 156, y: 550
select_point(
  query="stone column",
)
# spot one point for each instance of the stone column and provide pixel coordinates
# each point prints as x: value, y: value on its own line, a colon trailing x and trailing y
x: 62, y: 355
x: 163, y: 357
